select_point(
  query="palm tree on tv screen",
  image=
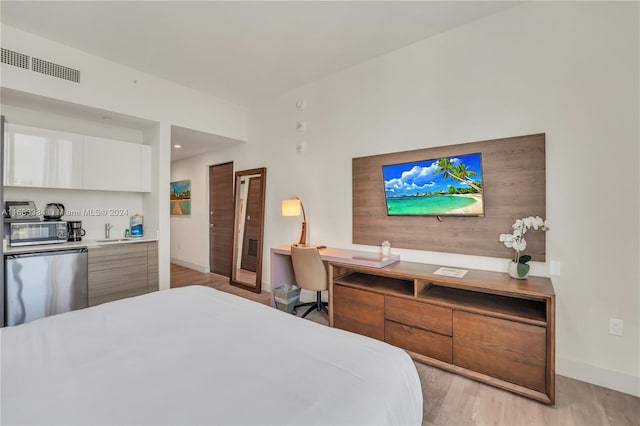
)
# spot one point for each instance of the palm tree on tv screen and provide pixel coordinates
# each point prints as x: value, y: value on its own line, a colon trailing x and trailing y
x: 459, y: 172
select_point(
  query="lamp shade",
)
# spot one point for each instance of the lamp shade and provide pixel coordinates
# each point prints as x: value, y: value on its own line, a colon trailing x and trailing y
x: 291, y: 207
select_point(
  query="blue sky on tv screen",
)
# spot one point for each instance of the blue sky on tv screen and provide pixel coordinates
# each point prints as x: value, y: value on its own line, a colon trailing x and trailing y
x: 421, y: 176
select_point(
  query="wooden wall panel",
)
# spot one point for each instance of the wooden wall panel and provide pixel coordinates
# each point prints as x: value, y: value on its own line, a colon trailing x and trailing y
x: 514, y: 187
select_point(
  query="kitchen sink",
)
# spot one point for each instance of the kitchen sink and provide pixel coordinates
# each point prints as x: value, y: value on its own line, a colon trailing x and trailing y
x: 113, y: 240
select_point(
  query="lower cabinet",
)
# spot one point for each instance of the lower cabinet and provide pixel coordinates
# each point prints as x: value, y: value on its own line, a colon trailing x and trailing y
x: 152, y: 267
x: 117, y: 271
x: 486, y: 326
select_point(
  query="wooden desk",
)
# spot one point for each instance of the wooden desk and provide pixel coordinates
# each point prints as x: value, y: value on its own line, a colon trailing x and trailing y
x: 282, y: 269
x: 486, y: 325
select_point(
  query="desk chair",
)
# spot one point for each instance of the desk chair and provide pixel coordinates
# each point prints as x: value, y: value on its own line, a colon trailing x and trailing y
x: 310, y: 274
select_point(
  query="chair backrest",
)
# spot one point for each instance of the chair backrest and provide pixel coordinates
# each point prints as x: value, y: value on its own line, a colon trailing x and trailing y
x: 309, y: 268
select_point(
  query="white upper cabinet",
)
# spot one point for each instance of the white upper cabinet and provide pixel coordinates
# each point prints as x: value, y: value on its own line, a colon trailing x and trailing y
x: 42, y: 158
x: 115, y: 165
x: 145, y: 168
x: 111, y: 165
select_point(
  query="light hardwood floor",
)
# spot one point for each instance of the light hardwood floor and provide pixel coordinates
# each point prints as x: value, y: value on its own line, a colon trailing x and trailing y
x: 452, y: 400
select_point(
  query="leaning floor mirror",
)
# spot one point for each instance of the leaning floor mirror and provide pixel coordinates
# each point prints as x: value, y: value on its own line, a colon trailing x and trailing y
x: 246, y: 271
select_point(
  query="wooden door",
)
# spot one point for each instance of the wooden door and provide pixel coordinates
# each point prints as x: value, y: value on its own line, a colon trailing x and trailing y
x: 252, y: 225
x: 221, y: 218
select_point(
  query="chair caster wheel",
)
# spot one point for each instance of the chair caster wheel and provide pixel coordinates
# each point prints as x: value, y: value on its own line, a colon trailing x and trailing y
x: 294, y: 312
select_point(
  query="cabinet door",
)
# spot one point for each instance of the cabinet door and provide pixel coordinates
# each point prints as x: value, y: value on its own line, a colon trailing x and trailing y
x: 117, y: 271
x: 152, y: 267
x: 114, y: 284
x: 145, y: 168
x: 42, y: 158
x: 358, y: 311
x: 111, y: 165
x: 508, y: 350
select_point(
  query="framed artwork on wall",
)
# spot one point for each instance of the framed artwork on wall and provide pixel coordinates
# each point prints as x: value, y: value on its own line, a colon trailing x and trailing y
x: 181, y: 198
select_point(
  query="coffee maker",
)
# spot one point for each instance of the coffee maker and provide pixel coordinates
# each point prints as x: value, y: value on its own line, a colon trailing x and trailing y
x: 75, y: 231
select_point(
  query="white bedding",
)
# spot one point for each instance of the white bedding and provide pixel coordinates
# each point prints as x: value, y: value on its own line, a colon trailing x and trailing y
x: 195, y: 355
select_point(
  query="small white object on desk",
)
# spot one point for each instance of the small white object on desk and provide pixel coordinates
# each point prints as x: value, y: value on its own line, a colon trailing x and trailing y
x: 451, y: 272
x: 385, y: 248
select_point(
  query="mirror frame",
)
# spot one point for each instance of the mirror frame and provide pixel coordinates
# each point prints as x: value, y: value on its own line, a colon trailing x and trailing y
x: 262, y: 171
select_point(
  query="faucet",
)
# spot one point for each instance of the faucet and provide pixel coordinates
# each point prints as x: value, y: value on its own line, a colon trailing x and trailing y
x: 107, y: 228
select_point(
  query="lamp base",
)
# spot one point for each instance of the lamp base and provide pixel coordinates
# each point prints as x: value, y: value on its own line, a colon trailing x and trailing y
x: 303, y: 235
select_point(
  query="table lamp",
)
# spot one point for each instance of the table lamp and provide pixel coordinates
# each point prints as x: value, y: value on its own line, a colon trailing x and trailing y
x: 292, y: 207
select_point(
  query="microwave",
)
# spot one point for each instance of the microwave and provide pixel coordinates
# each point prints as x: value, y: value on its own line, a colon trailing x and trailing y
x: 32, y: 233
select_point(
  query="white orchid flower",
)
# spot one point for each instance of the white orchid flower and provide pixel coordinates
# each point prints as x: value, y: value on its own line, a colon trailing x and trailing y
x: 506, y: 237
x: 516, y: 240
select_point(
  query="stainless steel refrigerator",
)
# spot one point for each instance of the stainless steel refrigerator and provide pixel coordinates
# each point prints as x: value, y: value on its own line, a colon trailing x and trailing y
x: 44, y: 283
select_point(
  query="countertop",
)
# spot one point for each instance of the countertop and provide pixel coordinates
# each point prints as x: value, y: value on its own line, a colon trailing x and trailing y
x: 76, y: 244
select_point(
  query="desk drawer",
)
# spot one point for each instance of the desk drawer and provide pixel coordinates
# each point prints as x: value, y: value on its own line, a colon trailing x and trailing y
x: 110, y: 256
x: 423, y: 342
x: 505, y: 349
x: 417, y: 314
x: 358, y: 311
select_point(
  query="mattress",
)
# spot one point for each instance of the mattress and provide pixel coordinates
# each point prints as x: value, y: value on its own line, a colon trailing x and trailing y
x: 195, y: 355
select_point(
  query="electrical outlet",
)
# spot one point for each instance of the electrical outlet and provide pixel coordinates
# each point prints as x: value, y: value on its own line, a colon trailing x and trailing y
x: 615, y: 326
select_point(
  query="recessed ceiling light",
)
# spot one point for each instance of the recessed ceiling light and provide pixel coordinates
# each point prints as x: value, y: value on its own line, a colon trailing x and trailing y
x: 177, y: 146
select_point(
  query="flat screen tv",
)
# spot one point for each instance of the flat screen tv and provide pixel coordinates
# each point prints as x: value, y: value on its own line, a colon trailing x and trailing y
x: 447, y: 186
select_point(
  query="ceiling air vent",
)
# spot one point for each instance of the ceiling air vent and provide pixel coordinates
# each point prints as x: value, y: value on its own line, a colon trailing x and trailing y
x: 15, y: 58
x: 55, y: 70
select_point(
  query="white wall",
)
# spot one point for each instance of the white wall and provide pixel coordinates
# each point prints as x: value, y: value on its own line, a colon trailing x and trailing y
x: 114, y: 87
x: 190, y: 234
x: 111, y: 87
x: 567, y: 69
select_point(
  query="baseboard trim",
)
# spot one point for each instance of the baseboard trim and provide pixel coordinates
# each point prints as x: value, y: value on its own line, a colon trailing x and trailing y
x: 610, y: 379
x: 194, y: 266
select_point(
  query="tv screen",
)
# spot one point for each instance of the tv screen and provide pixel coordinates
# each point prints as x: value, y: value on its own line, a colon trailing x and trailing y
x: 437, y: 187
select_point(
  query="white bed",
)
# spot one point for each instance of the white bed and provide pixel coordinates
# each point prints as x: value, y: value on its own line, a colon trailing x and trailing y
x: 195, y: 355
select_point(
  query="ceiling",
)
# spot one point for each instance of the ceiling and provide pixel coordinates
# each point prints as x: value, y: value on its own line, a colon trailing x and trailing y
x: 241, y: 51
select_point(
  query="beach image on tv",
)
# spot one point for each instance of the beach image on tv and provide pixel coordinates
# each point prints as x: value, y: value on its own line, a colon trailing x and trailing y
x: 440, y: 186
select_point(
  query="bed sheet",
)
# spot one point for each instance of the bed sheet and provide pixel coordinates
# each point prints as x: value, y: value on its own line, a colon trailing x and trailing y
x: 195, y: 355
